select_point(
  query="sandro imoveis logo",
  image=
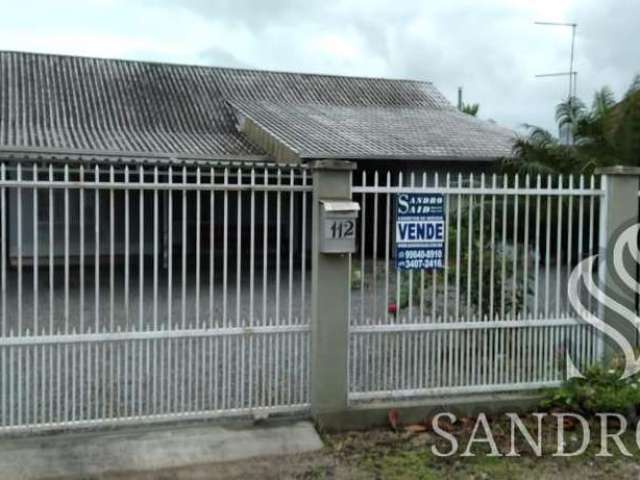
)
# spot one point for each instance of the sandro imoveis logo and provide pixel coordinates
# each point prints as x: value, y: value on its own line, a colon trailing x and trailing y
x: 583, y: 274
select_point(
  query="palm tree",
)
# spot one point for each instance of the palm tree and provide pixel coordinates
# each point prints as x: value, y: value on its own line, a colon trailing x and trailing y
x: 569, y: 112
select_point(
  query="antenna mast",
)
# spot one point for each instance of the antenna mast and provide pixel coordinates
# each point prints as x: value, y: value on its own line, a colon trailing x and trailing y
x: 572, y: 74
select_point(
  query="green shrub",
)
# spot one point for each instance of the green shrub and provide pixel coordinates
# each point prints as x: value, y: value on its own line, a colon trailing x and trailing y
x: 602, y: 390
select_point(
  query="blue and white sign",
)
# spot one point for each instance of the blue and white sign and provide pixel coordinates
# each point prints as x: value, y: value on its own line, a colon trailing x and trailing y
x: 420, y: 231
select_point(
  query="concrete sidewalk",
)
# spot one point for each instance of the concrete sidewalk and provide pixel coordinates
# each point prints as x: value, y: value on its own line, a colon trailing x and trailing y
x: 147, y: 449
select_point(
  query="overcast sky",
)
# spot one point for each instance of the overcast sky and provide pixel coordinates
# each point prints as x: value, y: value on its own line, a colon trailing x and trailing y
x: 490, y: 47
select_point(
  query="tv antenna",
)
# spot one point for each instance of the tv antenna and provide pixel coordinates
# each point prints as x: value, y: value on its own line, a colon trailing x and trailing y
x: 572, y: 74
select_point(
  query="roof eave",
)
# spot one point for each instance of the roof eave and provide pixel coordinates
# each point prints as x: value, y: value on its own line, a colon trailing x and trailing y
x: 116, y: 156
x: 401, y: 157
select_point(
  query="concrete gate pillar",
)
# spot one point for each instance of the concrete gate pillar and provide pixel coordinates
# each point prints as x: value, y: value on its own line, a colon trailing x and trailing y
x: 330, y: 298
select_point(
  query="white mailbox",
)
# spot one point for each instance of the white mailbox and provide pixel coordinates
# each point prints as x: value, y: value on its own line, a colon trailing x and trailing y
x: 338, y: 226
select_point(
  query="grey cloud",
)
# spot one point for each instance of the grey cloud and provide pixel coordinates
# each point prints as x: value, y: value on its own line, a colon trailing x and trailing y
x: 254, y: 14
x: 222, y: 58
x: 491, y: 48
x: 607, y: 44
x: 483, y: 46
x: 458, y: 47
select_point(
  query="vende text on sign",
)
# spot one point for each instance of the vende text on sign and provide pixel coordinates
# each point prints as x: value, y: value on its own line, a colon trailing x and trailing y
x: 420, y: 231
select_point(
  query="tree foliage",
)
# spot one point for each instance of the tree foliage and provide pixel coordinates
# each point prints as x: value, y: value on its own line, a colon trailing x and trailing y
x: 606, y: 133
x: 471, y: 109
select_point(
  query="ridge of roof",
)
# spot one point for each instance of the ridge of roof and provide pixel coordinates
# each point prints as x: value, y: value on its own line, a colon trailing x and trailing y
x: 217, y: 67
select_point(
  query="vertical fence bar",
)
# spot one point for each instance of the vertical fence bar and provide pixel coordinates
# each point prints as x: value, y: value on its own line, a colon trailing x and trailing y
x: 445, y: 310
x: 36, y: 253
x: 156, y: 228
x: 374, y: 261
x: 547, y: 256
x: 19, y: 249
x: 303, y: 261
x: 265, y: 249
x: 112, y: 248
x: 183, y: 265
x: 3, y: 294
x: 481, y: 251
x: 212, y: 248
x: 525, y: 252
x: 363, y: 236
x: 141, y: 215
x: 398, y: 275
x: 225, y: 246
x: 127, y: 248
x: 239, y: 249
x: 503, y: 272
x: 183, y: 291
x: 434, y: 273
x: 198, y: 244
x: 579, y: 257
x: 516, y: 212
x: 291, y: 222
x: 492, y: 260
x: 469, y: 250
x: 252, y: 247
x: 96, y: 258
x: 387, y: 248
x: 169, y: 255
x: 458, y: 253
x: 81, y: 248
x: 412, y: 183
x: 3, y: 263
x: 559, y: 246
x: 536, y: 280
x: 278, y: 245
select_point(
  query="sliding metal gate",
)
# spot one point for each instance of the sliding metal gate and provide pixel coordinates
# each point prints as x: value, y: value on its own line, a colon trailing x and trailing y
x: 134, y: 293
x: 496, y: 318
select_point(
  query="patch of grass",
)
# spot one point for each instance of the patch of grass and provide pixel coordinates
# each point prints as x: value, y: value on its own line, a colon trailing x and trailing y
x: 384, y: 454
x: 401, y: 465
x: 317, y: 472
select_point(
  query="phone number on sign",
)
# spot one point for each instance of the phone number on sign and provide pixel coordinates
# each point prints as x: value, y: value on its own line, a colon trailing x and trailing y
x: 420, y: 264
x: 420, y: 254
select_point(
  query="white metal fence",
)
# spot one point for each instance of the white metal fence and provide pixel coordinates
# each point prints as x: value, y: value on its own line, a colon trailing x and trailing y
x: 149, y: 292
x: 496, y: 318
x: 146, y: 292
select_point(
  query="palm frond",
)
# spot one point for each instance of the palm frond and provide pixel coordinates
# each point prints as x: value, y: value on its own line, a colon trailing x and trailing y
x: 634, y: 87
x: 603, y: 101
x: 570, y: 111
